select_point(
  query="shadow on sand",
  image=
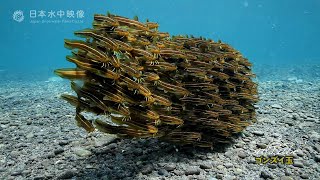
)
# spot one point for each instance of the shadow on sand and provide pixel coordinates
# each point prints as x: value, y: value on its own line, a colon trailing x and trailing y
x: 125, y: 159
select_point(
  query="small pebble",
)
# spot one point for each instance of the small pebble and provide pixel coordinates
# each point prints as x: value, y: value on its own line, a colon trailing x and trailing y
x: 105, y: 140
x: 276, y: 106
x: 88, y: 166
x: 63, y: 143
x: 266, y: 175
x: 112, y: 145
x: 258, y: 133
x: 261, y: 145
x: 25, y: 172
x: 39, y: 177
x: 220, y: 167
x: 2, y: 169
x: 317, y: 158
x: 275, y: 135
x: 105, y: 177
x: 163, y: 172
x: 239, y: 145
x: 169, y: 167
x: 219, y: 176
x: 147, y: 169
x: 288, y: 172
x: 317, y: 147
x: 205, y: 165
x: 212, y: 178
x: 272, y: 166
x: 58, y: 151
x: 299, y: 152
x: 16, y: 173
x: 82, y: 152
x: 67, y: 174
x: 228, y: 165
x: 304, y: 176
x: 228, y: 154
x: 30, y: 135
x: 192, y: 171
x: 290, y: 123
x: 242, y: 154
x: 237, y: 171
x: 178, y: 172
x: 298, y: 163
x: 310, y: 119
x: 289, y: 110
x: 286, y: 178
x: 50, y: 155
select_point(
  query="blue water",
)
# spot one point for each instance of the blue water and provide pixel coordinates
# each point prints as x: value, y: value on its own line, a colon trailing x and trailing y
x: 268, y: 32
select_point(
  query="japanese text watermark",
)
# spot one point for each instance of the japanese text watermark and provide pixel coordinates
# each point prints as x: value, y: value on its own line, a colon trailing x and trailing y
x: 35, y: 16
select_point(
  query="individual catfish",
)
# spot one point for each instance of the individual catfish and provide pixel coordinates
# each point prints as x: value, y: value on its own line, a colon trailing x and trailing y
x: 71, y: 73
x: 84, y: 123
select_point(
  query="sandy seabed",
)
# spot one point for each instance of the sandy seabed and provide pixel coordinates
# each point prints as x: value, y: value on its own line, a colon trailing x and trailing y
x: 39, y: 139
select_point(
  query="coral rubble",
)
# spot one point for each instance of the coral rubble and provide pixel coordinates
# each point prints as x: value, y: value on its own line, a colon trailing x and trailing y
x: 180, y: 89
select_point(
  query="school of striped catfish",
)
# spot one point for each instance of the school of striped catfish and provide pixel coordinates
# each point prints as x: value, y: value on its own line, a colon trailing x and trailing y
x: 143, y: 83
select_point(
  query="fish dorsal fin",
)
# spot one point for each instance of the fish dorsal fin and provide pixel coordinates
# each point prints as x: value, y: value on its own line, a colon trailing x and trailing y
x: 136, y: 18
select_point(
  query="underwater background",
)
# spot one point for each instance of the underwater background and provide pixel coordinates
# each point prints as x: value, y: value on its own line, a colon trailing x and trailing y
x: 39, y: 138
x: 269, y: 33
